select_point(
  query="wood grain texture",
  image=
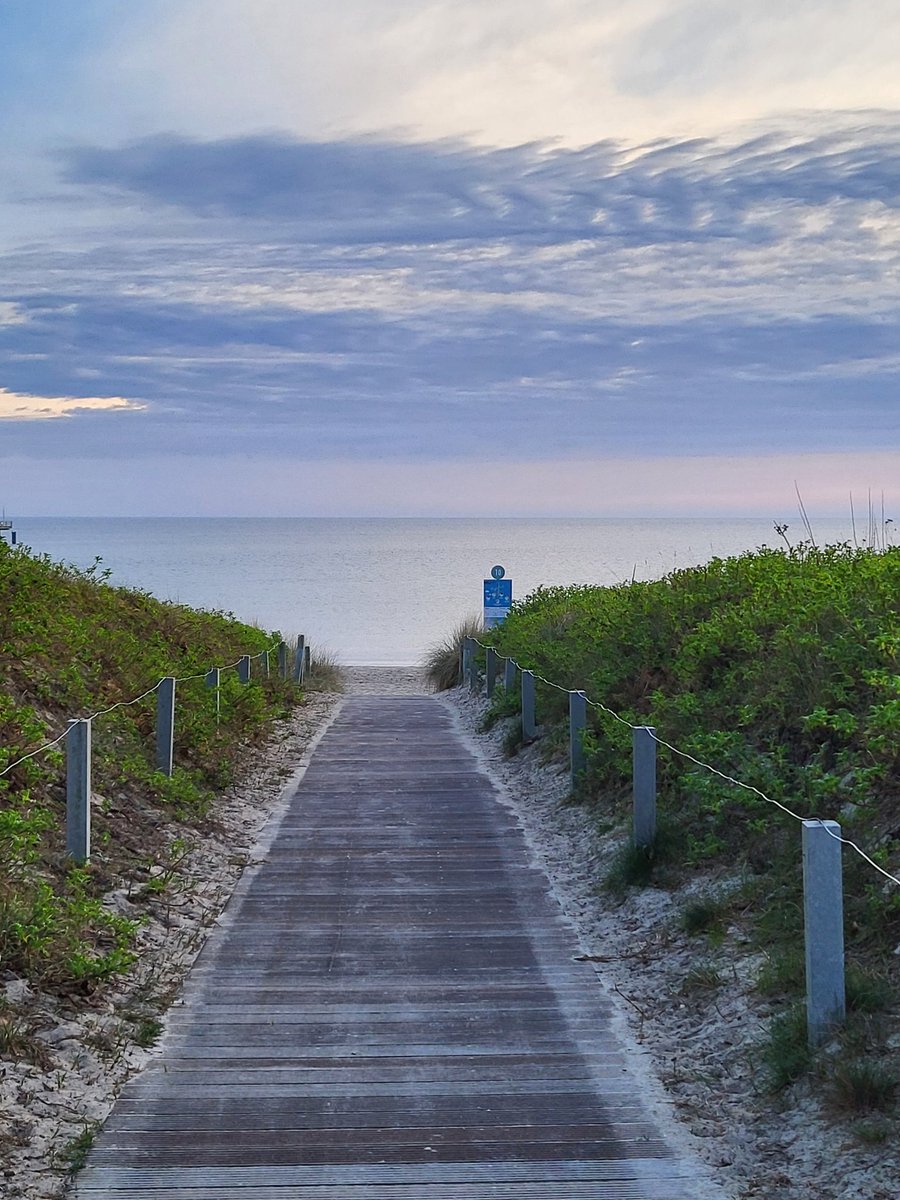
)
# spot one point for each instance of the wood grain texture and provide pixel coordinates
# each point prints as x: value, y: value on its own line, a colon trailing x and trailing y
x: 393, y: 1008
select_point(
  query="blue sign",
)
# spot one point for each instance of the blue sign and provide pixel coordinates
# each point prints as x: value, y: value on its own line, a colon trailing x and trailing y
x: 497, y: 572
x: 497, y: 600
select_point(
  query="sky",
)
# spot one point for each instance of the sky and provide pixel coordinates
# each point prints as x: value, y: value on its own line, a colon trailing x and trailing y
x: 449, y: 258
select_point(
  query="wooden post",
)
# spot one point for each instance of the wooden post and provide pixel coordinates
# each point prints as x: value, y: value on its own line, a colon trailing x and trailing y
x: 490, y: 671
x: 473, y: 666
x: 643, y: 760
x: 529, y: 728
x: 307, y: 660
x: 823, y: 921
x: 282, y: 660
x: 264, y: 663
x: 577, y: 723
x: 78, y: 791
x: 509, y: 674
x: 165, y: 725
x: 468, y: 655
x: 299, y: 659
x: 461, y: 665
x: 243, y: 669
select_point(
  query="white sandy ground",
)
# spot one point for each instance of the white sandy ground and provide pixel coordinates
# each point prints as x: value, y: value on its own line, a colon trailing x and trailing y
x: 701, y: 1047
x: 694, y: 1056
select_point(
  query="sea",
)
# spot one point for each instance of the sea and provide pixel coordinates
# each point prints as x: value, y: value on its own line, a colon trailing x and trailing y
x: 381, y: 591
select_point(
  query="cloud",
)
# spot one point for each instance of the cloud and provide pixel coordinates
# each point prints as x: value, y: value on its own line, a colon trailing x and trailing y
x: 418, y: 302
x: 499, y: 73
x: 696, y: 190
x: 11, y: 314
x: 16, y: 406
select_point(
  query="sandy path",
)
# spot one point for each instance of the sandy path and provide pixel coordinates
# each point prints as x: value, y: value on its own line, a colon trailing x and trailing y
x: 384, y: 681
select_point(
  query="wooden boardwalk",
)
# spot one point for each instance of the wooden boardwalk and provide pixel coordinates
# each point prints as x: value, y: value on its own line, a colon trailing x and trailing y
x: 392, y: 1010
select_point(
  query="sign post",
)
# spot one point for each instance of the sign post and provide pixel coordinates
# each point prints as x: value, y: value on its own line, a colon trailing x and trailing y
x: 497, y: 598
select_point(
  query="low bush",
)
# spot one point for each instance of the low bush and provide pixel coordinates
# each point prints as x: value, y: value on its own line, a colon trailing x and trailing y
x: 71, y: 645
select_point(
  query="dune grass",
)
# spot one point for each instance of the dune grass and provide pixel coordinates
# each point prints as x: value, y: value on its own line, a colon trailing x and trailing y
x: 441, y: 664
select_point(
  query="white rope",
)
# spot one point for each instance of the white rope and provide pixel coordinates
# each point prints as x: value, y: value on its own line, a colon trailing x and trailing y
x: 34, y: 753
x: 125, y: 704
x: 706, y: 766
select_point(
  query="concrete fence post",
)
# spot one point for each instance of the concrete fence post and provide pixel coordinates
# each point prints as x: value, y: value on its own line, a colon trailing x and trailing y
x: 165, y: 725
x: 823, y: 921
x: 78, y: 791
x: 243, y: 668
x: 491, y: 663
x: 214, y: 681
x: 643, y: 760
x: 299, y: 659
x: 577, y: 723
x: 509, y: 674
x: 282, y: 660
x: 529, y: 727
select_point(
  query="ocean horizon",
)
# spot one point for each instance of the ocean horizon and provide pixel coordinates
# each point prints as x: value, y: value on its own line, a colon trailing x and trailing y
x: 381, y: 590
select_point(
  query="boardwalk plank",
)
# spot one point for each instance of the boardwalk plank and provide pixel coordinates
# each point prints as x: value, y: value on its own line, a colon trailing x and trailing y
x: 392, y: 1008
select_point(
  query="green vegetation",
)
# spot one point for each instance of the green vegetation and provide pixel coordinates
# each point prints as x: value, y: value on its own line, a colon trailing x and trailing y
x: 704, y: 914
x: 73, y: 1155
x: 778, y: 667
x: 863, y: 1086
x: 781, y: 669
x: 786, y: 1053
x: 71, y: 645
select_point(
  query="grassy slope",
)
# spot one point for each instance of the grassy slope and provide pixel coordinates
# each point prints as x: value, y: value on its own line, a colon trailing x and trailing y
x: 70, y: 645
x: 779, y: 668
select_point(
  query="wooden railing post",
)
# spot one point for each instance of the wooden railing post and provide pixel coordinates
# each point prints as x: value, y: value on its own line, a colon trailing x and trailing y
x: 282, y: 660
x: 490, y: 671
x: 509, y: 674
x: 299, y: 659
x: 165, y: 725
x: 214, y: 682
x: 473, y: 666
x: 468, y: 652
x: 78, y: 791
x: 529, y: 728
x: 823, y: 921
x: 643, y: 758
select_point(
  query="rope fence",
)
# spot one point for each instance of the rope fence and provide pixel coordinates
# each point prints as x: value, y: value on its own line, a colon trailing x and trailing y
x: 77, y: 734
x: 821, y: 839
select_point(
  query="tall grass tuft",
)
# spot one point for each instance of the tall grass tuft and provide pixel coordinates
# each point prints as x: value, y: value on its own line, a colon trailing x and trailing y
x: 326, y: 673
x: 441, y: 664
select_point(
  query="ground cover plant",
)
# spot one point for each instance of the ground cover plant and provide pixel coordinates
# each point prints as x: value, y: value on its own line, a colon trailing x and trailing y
x: 70, y: 645
x: 781, y: 668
